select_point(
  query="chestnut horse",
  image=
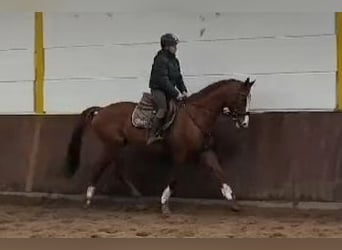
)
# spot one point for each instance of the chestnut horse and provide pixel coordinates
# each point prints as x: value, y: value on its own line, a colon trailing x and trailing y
x: 188, y: 138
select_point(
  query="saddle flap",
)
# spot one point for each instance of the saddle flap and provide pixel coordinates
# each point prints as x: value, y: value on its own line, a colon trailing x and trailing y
x: 144, y: 112
x: 146, y: 102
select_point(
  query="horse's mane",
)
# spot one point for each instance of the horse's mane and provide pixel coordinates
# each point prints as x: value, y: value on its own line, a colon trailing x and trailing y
x: 210, y: 88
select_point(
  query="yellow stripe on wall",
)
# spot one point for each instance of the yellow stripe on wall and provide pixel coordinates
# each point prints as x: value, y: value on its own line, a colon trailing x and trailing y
x: 339, y: 59
x: 39, y: 64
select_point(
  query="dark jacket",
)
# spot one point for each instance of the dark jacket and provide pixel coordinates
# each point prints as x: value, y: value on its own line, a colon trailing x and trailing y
x: 166, y: 74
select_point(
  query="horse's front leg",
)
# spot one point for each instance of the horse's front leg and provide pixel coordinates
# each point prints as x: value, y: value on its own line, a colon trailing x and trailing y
x: 178, y: 161
x: 209, y: 158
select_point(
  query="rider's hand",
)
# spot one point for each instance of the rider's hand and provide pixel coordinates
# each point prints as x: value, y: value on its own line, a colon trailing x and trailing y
x: 179, y: 97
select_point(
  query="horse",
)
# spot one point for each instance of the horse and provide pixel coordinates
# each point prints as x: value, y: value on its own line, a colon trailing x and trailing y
x: 188, y: 137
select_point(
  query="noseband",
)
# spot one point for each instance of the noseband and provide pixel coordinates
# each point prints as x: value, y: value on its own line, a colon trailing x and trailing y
x: 236, y: 115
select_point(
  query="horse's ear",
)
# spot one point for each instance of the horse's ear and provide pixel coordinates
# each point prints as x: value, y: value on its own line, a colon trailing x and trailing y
x: 249, y: 83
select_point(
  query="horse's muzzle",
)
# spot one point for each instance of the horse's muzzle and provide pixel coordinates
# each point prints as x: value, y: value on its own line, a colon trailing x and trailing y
x: 245, y: 122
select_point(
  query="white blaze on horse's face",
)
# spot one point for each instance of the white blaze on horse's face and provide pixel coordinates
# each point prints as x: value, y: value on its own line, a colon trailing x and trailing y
x: 240, y: 121
x: 245, y: 121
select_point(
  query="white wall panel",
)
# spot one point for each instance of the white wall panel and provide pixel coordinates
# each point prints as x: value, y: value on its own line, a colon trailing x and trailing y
x: 260, y: 56
x: 74, y: 96
x: 16, y: 62
x: 296, y: 92
x: 271, y: 92
x: 17, y: 30
x: 68, y: 29
x: 283, y: 91
x: 117, y: 61
x: 16, y: 97
x: 249, y: 25
x: 292, y: 55
x: 246, y: 56
x: 16, y: 65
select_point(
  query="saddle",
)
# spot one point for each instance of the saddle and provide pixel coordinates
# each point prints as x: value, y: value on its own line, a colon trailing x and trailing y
x: 145, y: 110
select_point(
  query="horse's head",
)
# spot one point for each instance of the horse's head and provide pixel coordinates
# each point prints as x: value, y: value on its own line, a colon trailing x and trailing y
x: 237, y: 107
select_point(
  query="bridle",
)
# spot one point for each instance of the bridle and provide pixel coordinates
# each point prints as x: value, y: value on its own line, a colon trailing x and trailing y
x: 236, y: 115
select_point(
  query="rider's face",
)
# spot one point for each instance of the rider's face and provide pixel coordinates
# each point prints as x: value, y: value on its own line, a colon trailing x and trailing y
x: 173, y: 49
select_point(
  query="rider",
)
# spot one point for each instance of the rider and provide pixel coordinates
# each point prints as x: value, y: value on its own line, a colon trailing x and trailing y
x: 165, y: 77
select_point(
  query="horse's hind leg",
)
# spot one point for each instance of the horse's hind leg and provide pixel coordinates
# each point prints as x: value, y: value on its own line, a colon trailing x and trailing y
x: 109, y: 157
x: 101, y: 165
x: 209, y: 158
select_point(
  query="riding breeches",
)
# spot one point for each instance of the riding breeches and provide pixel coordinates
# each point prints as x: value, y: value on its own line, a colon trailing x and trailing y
x: 160, y: 101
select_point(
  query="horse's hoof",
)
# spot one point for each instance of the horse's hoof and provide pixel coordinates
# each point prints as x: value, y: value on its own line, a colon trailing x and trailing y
x: 235, y: 207
x: 165, y: 210
x: 87, y: 204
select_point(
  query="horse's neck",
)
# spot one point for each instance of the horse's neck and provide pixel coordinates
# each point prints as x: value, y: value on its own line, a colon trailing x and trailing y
x: 212, y: 101
x: 207, y: 109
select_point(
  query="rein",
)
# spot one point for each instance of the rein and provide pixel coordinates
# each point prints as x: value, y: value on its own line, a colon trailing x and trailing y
x: 208, y: 137
x: 205, y: 132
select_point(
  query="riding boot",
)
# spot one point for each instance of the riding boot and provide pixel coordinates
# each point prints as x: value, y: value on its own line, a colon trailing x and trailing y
x: 153, y: 135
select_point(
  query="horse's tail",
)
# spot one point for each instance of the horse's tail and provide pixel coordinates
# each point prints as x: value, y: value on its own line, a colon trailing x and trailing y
x: 74, y: 147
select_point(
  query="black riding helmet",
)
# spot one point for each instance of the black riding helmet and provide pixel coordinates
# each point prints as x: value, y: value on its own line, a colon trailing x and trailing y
x: 168, y: 39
